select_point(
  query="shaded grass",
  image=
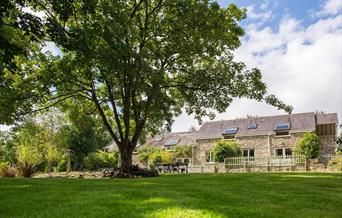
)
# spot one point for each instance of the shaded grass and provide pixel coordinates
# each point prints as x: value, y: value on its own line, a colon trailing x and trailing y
x: 191, y: 195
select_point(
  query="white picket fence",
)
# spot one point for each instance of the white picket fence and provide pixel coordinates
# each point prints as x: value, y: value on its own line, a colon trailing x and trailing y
x: 265, y: 161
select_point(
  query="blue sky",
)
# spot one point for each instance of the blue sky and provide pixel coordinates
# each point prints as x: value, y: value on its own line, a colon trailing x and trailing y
x: 297, y: 45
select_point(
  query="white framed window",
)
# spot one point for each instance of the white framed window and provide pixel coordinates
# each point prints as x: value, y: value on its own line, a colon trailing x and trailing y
x: 248, y: 152
x: 283, y: 152
x: 210, y: 157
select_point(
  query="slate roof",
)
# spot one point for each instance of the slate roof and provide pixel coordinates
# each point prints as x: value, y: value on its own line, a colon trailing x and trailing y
x: 184, y: 138
x: 326, y: 118
x: 265, y: 125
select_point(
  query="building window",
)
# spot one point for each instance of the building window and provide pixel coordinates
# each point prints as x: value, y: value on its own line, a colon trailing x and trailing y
x: 230, y: 131
x: 252, y: 126
x: 248, y: 152
x: 283, y: 151
x: 172, y: 142
x: 282, y: 126
x: 282, y: 133
x: 210, y: 157
x: 229, y: 136
x: 288, y: 151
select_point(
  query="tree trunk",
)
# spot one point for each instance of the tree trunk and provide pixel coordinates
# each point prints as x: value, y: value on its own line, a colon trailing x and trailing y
x: 126, y: 160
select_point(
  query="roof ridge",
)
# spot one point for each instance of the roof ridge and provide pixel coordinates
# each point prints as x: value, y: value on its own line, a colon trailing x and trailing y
x: 257, y: 117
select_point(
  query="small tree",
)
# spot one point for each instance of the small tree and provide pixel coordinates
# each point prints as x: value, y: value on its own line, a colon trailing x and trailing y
x: 308, y: 145
x: 224, y: 149
x: 28, y: 158
x: 52, y: 155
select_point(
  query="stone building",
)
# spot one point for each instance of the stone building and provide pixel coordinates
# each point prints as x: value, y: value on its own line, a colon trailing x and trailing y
x: 170, y: 140
x: 262, y: 136
x: 167, y: 141
x: 257, y: 136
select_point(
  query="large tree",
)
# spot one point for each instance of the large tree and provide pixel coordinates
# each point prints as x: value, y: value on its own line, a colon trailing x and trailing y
x: 138, y: 63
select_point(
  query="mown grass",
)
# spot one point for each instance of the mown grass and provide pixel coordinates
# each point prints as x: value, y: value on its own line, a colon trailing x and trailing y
x: 191, y: 195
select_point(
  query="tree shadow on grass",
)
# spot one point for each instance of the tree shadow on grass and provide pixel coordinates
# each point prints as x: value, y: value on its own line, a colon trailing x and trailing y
x: 209, y: 195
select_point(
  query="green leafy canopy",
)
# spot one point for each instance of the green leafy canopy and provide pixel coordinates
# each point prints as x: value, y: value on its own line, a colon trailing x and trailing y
x: 139, y: 63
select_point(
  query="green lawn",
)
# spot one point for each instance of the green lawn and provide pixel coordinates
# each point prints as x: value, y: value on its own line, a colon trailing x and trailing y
x: 191, y: 195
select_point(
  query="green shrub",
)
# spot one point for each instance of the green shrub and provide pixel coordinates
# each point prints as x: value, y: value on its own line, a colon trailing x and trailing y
x: 62, y: 164
x: 52, y: 156
x: 100, y: 159
x: 152, y: 155
x: 224, y: 149
x: 145, y: 152
x: 28, y: 158
x: 308, y: 145
x: 160, y: 157
x: 6, y: 170
x: 184, y: 151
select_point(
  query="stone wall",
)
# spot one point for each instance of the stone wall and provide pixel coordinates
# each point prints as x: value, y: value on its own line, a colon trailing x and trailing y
x: 328, y: 145
x: 258, y: 143
x: 285, y: 141
x: 200, y: 150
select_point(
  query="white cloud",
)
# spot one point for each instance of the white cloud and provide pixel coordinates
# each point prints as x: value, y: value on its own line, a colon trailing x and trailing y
x: 262, y: 16
x: 302, y: 65
x: 330, y: 7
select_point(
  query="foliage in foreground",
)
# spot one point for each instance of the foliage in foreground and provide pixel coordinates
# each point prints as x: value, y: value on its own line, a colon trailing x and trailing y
x: 308, y: 145
x: 225, y: 148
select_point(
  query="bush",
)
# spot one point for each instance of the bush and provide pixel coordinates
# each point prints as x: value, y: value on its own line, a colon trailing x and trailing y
x: 6, y: 170
x: 62, y: 164
x: 151, y: 156
x: 52, y: 156
x: 184, y: 151
x: 224, y: 149
x: 308, y: 145
x: 100, y: 159
x: 159, y: 157
x: 144, y: 153
x: 28, y: 158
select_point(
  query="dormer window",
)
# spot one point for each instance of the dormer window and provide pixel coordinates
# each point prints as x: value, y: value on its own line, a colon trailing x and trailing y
x: 170, y: 145
x: 282, y: 129
x: 172, y: 142
x: 229, y: 133
x: 282, y: 126
x: 252, y: 126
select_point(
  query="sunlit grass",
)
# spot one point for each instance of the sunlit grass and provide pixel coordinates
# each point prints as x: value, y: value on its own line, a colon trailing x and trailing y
x: 191, y: 195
